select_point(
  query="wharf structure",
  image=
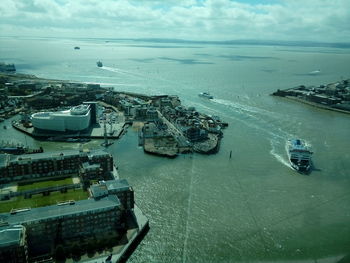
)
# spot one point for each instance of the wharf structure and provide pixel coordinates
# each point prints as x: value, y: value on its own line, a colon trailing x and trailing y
x: 333, y: 96
x: 103, y: 213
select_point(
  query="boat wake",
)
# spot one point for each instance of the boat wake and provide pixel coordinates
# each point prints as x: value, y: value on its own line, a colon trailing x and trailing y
x: 266, y: 122
x: 123, y: 72
x: 278, y: 155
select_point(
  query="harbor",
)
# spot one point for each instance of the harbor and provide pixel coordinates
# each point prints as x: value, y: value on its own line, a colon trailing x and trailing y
x: 244, y: 203
x: 167, y: 128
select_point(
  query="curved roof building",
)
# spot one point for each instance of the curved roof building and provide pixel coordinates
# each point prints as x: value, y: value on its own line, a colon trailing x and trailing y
x: 75, y: 119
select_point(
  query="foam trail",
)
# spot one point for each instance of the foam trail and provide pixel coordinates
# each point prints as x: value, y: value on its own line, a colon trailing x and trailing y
x: 261, y: 120
x: 123, y: 72
x: 240, y: 107
x: 279, y: 157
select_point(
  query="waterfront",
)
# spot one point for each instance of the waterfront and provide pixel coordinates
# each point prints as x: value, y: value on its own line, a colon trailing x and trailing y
x: 251, y: 207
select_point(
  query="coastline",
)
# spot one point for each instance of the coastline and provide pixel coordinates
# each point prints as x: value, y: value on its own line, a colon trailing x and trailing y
x: 333, y: 96
x: 313, y: 104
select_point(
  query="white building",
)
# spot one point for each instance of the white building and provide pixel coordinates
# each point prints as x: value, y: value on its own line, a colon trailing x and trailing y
x: 75, y: 119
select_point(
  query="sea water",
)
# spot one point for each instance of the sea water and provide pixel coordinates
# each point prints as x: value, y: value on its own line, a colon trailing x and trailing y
x: 212, y: 208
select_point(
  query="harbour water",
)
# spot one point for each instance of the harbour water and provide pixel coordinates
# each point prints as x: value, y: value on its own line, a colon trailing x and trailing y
x: 211, y: 208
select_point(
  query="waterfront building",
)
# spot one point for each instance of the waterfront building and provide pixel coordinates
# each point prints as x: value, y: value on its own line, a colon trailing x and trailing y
x: 54, y: 164
x: 120, y: 188
x: 126, y: 106
x: 93, y: 109
x: 152, y: 114
x: 139, y: 112
x: 13, y: 243
x: 60, y: 224
x: 7, y: 67
x: 75, y: 119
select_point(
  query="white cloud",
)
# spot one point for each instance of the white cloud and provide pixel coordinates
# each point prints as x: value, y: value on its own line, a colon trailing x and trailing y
x: 317, y: 20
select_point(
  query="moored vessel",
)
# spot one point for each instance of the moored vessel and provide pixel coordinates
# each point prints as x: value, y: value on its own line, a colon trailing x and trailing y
x: 299, y: 155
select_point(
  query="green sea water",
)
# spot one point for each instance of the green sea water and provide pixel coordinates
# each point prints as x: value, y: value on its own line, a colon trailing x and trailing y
x: 210, y: 208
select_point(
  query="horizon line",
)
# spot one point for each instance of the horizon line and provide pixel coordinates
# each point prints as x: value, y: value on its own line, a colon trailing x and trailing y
x: 267, y: 42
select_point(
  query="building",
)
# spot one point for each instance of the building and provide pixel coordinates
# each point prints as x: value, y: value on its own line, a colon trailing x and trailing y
x: 152, y: 114
x: 7, y: 67
x: 13, y: 243
x: 120, y: 188
x: 54, y: 164
x: 29, y: 234
x: 75, y: 119
x: 93, y: 109
x: 60, y: 224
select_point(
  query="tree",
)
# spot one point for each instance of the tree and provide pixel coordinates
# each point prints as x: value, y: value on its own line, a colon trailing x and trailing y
x: 60, y: 253
x: 76, y: 251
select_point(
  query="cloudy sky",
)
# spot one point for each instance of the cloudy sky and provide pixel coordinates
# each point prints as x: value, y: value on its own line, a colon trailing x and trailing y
x: 313, y: 20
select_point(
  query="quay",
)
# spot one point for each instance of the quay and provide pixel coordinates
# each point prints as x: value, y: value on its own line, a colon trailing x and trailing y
x: 333, y: 96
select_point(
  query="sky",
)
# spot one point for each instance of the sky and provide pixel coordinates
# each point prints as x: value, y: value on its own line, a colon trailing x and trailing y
x: 213, y: 20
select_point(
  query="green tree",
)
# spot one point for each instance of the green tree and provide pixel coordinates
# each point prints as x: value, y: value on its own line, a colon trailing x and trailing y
x: 76, y: 251
x: 60, y: 253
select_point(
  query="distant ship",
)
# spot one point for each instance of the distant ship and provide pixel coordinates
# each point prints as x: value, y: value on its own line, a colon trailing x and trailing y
x: 205, y: 95
x: 315, y: 72
x: 299, y: 155
x: 76, y: 47
x: 99, y: 64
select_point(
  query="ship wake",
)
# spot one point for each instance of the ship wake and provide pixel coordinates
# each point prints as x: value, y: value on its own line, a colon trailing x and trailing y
x: 266, y: 122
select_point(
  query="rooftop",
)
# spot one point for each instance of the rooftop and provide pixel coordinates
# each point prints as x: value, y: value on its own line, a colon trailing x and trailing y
x: 11, y: 235
x: 120, y: 185
x: 48, y: 155
x: 54, y: 211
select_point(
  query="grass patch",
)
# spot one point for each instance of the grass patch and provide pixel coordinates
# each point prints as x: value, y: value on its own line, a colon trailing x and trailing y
x: 39, y: 200
x: 44, y: 184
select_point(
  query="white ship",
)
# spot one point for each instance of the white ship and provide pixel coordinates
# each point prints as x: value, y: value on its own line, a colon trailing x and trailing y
x: 205, y: 95
x: 299, y: 155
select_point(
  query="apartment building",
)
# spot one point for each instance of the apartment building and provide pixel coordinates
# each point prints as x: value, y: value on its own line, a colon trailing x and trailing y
x: 63, y: 223
x: 53, y: 164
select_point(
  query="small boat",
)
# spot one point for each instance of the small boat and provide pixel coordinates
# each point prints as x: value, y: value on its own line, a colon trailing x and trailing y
x: 76, y: 47
x: 99, y: 64
x: 205, y: 95
x: 299, y: 155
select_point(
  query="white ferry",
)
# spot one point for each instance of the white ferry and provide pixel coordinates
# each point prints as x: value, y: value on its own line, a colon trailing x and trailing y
x: 299, y: 155
x: 205, y: 95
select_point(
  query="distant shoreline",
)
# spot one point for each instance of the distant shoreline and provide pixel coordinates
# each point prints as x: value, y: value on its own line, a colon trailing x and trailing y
x: 253, y: 42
